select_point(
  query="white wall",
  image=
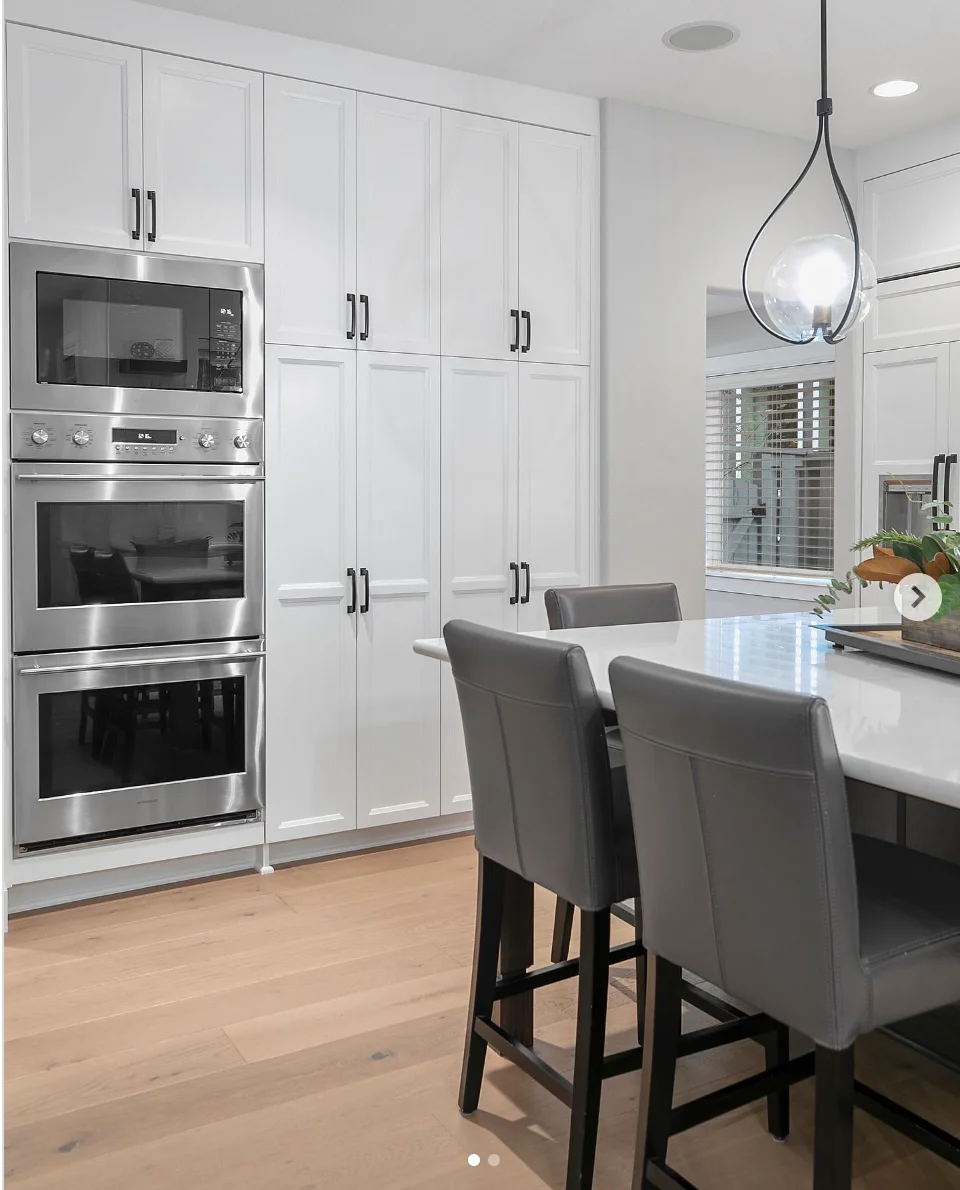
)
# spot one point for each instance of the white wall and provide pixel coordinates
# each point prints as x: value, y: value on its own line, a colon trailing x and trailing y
x: 730, y: 334
x: 681, y: 198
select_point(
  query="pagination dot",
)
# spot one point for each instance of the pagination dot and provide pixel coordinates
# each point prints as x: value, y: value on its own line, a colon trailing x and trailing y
x: 473, y: 1159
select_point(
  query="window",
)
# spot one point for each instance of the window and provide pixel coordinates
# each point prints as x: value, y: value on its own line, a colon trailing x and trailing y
x: 769, y: 479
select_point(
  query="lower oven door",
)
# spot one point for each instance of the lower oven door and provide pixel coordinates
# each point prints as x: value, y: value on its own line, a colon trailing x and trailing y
x: 129, y: 554
x: 126, y: 740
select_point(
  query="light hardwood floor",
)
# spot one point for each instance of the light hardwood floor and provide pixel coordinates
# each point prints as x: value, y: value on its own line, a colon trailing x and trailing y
x: 303, y: 1031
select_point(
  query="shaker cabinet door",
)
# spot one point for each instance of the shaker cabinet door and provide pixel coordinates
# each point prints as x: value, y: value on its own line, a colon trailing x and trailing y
x: 311, y: 213
x: 73, y: 139
x: 203, y: 158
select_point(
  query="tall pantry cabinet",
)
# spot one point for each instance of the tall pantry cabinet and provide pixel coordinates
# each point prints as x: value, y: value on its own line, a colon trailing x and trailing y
x: 428, y: 428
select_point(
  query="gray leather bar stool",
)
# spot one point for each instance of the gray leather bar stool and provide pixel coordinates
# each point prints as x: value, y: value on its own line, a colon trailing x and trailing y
x: 596, y: 607
x: 750, y: 875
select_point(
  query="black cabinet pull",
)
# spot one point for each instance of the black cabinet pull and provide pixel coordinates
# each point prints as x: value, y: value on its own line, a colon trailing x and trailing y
x: 135, y: 195
x: 352, y: 303
x: 947, y: 465
x: 938, y: 461
x: 515, y: 315
x: 352, y: 576
x: 515, y: 571
x: 525, y: 597
x: 152, y: 200
x: 365, y: 575
x: 526, y: 319
x: 365, y: 302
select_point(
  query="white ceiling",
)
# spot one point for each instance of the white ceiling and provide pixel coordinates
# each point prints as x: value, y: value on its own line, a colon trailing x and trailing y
x: 767, y: 79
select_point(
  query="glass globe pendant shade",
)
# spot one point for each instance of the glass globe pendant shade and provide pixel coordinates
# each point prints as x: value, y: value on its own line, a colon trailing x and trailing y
x: 808, y: 287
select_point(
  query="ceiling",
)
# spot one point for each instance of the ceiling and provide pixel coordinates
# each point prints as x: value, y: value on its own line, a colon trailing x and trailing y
x: 767, y: 79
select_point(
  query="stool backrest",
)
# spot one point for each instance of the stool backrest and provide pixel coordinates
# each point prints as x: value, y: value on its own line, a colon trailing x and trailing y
x: 537, y: 755
x: 747, y: 872
x: 596, y: 607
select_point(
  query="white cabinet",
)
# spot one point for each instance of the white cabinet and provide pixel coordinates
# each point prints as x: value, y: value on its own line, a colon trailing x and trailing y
x: 73, y: 139
x: 554, y: 489
x: 311, y: 213
x: 556, y: 220
x: 311, y: 635
x: 398, y: 546
x: 910, y: 218
x: 203, y: 158
x: 479, y: 240
x: 913, y: 312
x: 398, y: 225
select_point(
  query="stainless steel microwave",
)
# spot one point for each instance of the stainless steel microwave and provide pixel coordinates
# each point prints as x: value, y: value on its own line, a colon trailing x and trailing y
x: 124, y: 332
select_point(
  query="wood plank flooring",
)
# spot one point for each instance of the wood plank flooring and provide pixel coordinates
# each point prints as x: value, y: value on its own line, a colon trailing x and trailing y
x: 303, y: 1031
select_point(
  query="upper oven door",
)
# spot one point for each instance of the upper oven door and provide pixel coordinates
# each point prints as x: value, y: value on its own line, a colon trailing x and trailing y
x: 121, y: 554
x: 123, y: 332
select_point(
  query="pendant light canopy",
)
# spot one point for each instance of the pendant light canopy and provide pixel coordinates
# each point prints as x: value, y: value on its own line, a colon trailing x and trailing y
x: 821, y: 286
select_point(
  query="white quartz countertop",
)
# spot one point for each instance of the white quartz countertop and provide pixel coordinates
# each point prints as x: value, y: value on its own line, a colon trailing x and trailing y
x: 895, y: 724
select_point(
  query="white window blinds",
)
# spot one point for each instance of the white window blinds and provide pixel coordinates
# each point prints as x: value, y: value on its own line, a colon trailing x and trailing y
x: 769, y: 480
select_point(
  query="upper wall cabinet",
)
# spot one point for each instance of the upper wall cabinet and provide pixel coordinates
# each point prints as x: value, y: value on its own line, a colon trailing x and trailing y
x: 911, y: 220
x: 73, y: 133
x: 203, y: 158
x: 311, y: 213
x: 398, y: 225
x: 118, y: 149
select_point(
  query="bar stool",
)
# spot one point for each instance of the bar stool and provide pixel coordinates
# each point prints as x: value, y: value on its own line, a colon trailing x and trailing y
x: 596, y: 607
x: 751, y: 876
x: 548, y: 807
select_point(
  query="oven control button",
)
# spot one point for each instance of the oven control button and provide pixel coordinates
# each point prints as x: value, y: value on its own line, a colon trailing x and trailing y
x: 81, y: 437
x: 242, y: 441
x: 206, y: 441
x: 40, y: 436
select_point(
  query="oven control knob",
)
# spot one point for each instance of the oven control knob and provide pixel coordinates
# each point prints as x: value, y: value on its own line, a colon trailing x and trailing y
x: 40, y: 436
x: 81, y: 437
x: 206, y: 441
x: 242, y: 441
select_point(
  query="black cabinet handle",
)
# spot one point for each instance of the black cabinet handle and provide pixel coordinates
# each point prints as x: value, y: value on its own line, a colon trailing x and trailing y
x: 515, y: 315
x: 352, y: 576
x: 525, y: 597
x: 352, y: 303
x: 526, y: 319
x: 938, y: 461
x: 135, y: 195
x: 152, y: 200
x: 947, y: 465
x: 365, y: 575
x: 365, y: 302
x: 515, y: 570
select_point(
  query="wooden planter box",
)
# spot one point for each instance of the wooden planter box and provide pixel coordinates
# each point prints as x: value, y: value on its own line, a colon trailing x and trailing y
x: 942, y: 634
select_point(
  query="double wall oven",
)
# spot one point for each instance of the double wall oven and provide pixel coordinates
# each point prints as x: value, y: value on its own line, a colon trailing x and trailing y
x: 137, y: 544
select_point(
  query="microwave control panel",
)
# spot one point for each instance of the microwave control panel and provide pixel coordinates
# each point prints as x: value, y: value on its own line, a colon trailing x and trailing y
x: 102, y: 438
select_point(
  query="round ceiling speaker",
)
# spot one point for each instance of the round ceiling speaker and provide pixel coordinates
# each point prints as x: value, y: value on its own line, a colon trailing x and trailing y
x: 700, y: 36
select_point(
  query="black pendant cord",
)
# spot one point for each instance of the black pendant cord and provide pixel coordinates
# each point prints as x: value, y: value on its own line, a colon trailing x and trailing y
x: 824, y: 112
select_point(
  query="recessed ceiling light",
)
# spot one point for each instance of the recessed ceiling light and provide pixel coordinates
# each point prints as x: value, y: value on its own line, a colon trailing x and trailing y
x: 700, y: 36
x: 895, y: 88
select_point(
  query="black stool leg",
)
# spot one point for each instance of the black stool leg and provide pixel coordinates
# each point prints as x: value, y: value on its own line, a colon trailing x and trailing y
x: 588, y: 1060
x: 484, y: 983
x: 562, y: 929
x: 661, y: 1041
x: 777, y: 1046
x: 833, y: 1135
x: 641, y: 979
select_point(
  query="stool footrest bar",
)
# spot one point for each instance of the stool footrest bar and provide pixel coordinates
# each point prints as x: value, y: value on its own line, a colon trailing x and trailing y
x: 718, y: 1103
x: 919, y: 1130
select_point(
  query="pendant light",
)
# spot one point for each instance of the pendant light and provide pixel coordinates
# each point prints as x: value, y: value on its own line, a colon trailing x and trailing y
x: 820, y: 287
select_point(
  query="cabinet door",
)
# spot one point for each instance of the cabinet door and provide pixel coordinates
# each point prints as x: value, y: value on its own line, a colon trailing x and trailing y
x: 73, y: 132
x: 556, y: 203
x: 311, y: 635
x: 398, y: 529
x: 479, y: 221
x: 554, y: 514
x: 910, y: 218
x: 398, y: 224
x: 479, y: 527
x: 311, y: 215
x: 203, y: 157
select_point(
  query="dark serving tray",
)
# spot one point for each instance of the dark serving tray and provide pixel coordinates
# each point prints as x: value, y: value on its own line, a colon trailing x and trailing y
x: 884, y: 640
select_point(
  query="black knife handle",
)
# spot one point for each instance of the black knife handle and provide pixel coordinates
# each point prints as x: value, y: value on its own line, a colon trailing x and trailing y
x: 352, y: 576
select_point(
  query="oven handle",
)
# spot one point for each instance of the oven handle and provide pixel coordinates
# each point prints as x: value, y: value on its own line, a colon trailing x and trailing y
x: 30, y: 671
x: 168, y: 478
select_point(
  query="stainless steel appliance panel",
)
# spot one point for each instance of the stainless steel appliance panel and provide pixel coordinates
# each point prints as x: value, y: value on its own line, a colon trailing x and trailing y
x: 902, y: 500
x: 153, y: 371
x: 119, y: 740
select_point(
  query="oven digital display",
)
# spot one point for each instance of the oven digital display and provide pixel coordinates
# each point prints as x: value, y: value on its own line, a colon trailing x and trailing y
x: 159, y: 437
